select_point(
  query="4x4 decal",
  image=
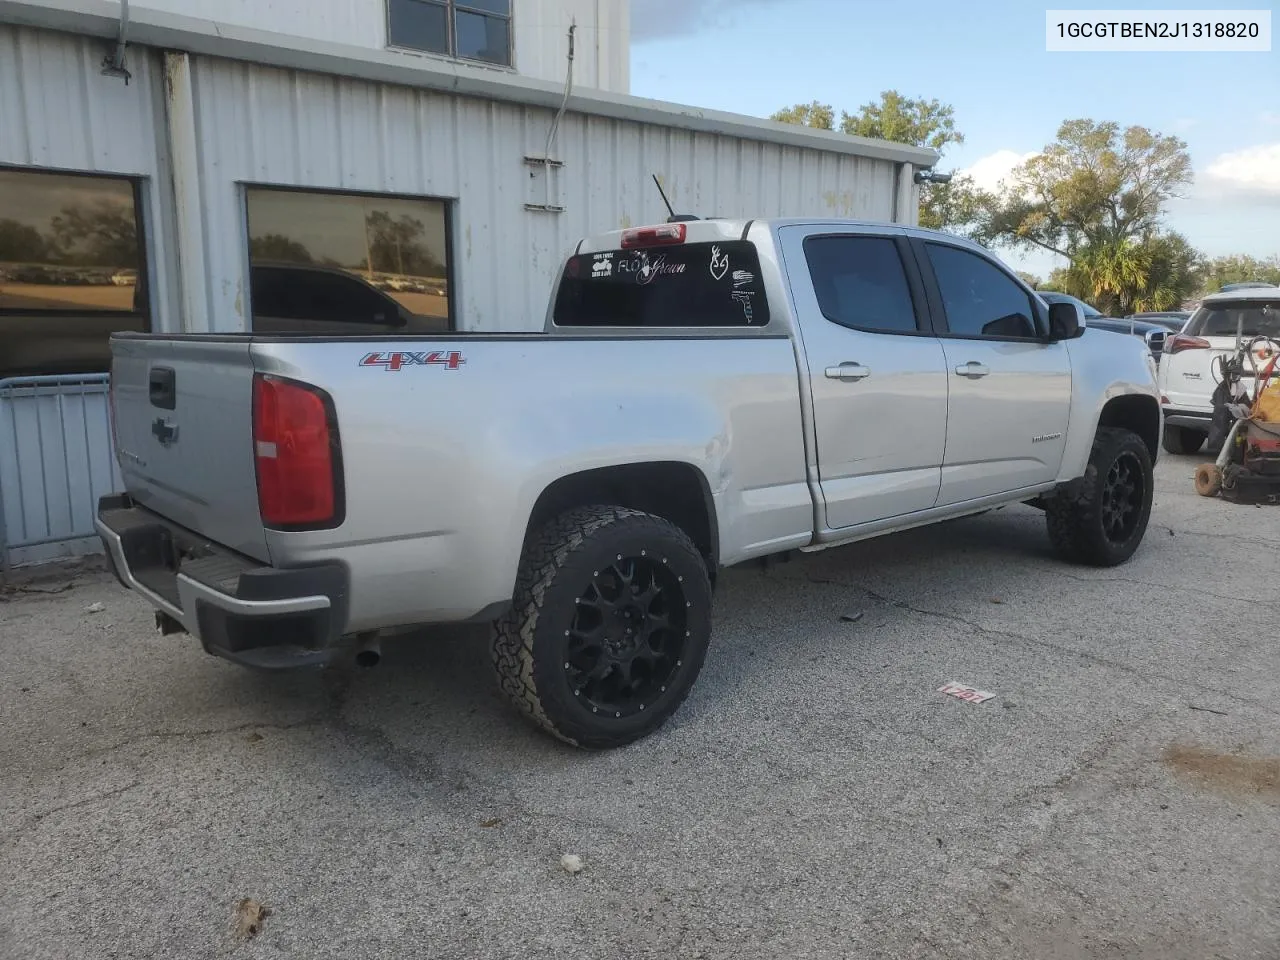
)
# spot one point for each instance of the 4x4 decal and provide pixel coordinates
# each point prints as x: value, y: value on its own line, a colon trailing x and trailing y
x: 450, y: 360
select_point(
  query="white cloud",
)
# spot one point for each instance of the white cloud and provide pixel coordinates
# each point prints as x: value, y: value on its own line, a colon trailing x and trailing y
x: 1251, y: 170
x: 988, y: 172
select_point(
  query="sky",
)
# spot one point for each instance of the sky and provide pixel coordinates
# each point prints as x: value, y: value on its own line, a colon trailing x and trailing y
x: 987, y: 58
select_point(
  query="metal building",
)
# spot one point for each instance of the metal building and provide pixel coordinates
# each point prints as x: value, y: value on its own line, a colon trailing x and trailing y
x: 421, y: 165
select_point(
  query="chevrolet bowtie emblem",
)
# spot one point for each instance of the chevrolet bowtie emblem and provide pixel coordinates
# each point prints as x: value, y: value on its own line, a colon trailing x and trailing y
x: 164, y: 431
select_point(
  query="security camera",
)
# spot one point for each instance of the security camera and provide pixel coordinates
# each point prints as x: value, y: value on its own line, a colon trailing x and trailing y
x: 929, y: 175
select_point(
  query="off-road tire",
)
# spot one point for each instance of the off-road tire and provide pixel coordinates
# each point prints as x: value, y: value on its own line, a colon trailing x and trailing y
x: 1184, y: 440
x: 529, y: 644
x: 1077, y: 526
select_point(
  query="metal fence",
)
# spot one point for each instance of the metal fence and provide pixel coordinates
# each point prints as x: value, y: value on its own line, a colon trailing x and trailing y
x: 56, y: 459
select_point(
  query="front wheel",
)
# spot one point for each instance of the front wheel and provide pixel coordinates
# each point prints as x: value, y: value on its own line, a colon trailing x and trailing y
x: 1105, y: 522
x: 609, y: 627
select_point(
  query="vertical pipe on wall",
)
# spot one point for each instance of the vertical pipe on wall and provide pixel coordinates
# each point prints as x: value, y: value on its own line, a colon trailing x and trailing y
x: 180, y: 123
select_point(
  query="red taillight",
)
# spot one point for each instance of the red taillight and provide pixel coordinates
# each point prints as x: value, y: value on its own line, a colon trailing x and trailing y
x: 663, y: 235
x: 1180, y: 341
x: 296, y: 452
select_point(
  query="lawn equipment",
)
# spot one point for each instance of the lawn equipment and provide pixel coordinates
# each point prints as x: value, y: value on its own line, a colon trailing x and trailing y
x: 1248, y: 466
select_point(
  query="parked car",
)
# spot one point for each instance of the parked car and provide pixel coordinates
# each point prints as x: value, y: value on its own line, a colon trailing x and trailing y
x: 703, y: 394
x: 1191, y: 374
x: 1152, y: 334
x: 1172, y: 320
x: 1247, y: 285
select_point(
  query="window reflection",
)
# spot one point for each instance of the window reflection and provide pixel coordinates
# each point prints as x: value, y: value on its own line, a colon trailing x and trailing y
x: 71, y: 270
x: 346, y: 263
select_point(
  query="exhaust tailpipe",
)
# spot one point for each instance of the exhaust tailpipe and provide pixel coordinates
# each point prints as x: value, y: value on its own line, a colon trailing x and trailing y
x: 369, y: 653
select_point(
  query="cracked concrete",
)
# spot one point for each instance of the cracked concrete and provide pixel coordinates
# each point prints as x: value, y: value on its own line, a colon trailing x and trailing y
x: 816, y: 797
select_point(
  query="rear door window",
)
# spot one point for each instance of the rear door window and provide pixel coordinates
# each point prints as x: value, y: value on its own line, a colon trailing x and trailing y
x: 1258, y: 318
x: 860, y: 283
x: 686, y: 285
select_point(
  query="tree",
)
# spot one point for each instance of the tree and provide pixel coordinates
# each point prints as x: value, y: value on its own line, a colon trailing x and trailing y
x: 395, y: 246
x: 1093, y: 187
x: 817, y: 115
x: 1156, y: 272
x: 1231, y: 269
x: 104, y: 234
x: 276, y: 246
x: 21, y: 242
x: 1030, y: 279
x: 959, y: 205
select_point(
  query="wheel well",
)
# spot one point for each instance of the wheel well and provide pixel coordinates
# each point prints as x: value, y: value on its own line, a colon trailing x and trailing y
x: 1138, y: 413
x: 677, y: 492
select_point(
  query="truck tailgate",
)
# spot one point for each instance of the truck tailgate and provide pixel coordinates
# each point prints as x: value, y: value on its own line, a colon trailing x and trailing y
x: 184, y: 435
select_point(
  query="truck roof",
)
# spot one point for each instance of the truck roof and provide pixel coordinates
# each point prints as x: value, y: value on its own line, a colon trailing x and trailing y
x: 1243, y: 293
x: 713, y: 229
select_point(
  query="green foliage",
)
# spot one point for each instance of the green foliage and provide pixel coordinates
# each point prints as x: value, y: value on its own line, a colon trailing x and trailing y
x: 817, y: 115
x: 1094, y: 187
x: 1157, y: 272
x: 1030, y: 279
x: 1235, y: 269
x: 957, y: 206
x: 919, y: 122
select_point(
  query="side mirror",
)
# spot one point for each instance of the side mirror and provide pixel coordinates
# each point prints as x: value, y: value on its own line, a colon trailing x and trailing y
x: 1066, y: 321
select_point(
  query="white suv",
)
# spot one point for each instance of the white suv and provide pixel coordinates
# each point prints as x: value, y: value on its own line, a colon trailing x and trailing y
x: 1190, y: 372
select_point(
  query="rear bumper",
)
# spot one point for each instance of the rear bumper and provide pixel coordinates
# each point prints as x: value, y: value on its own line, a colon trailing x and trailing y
x: 239, y: 609
x: 1187, y: 418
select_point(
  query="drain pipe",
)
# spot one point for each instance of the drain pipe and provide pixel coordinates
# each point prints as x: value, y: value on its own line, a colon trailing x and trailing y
x: 113, y: 64
x: 564, y: 103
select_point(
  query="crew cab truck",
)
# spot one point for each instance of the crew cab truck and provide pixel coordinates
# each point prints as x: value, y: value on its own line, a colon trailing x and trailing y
x: 703, y: 393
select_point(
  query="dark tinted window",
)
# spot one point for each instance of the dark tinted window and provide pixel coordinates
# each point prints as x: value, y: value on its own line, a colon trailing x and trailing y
x: 687, y: 285
x: 1261, y: 318
x: 419, y: 25
x: 72, y: 271
x: 860, y: 283
x: 980, y: 300
x: 471, y: 29
x: 347, y: 258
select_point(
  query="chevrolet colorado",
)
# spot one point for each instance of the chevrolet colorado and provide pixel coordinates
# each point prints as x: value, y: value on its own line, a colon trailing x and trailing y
x: 703, y: 393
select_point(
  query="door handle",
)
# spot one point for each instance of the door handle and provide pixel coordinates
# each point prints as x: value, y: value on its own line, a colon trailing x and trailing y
x: 973, y: 370
x: 848, y: 371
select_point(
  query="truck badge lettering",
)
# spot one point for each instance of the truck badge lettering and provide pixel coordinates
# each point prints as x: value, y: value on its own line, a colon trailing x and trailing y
x: 394, y: 362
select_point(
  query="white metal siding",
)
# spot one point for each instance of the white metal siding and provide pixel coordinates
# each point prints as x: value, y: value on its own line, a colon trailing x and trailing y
x: 57, y: 112
x: 265, y: 125
x: 539, y: 28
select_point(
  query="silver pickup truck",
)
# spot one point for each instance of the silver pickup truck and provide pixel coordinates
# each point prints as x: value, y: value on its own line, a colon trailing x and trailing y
x: 704, y: 393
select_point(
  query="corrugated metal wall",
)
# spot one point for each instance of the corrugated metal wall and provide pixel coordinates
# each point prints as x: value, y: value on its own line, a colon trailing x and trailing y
x: 539, y: 27
x: 269, y: 126
x: 58, y: 112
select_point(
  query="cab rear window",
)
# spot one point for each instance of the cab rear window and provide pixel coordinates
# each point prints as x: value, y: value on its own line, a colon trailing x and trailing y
x: 684, y: 285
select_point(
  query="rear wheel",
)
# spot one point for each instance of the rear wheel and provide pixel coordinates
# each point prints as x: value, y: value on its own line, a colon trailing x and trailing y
x: 1106, y: 521
x: 1184, y: 439
x: 609, y: 628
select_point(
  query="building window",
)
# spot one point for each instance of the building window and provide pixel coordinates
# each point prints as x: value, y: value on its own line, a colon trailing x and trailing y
x: 72, y: 270
x: 470, y: 29
x: 345, y: 263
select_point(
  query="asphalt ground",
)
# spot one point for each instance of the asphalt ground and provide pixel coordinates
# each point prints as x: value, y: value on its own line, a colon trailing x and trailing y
x: 1119, y: 797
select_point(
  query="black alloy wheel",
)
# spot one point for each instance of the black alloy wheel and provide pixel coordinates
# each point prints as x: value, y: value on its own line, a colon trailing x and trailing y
x: 628, y: 636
